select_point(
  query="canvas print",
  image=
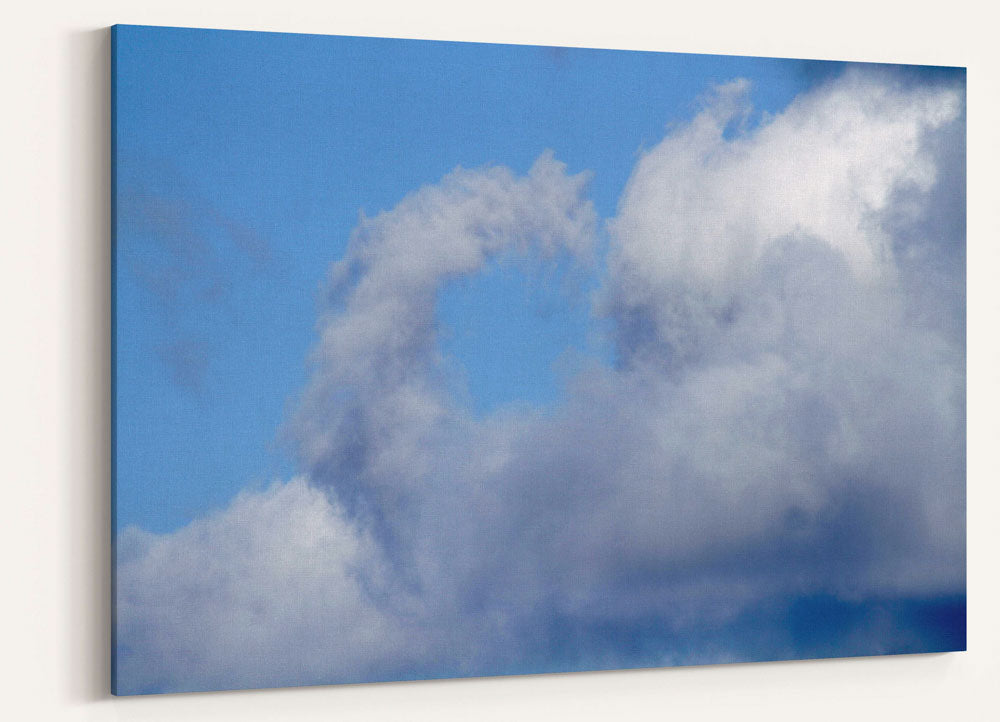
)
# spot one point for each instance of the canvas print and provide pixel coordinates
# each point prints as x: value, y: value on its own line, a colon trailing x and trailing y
x: 443, y: 359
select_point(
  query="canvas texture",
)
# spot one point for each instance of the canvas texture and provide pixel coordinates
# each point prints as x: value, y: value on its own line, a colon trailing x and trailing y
x: 441, y: 359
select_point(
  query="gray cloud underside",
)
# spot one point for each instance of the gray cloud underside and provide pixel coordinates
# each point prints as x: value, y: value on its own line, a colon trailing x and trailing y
x: 785, y: 419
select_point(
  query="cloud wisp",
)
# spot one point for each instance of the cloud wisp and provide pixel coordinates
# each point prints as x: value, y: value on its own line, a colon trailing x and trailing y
x: 782, y: 433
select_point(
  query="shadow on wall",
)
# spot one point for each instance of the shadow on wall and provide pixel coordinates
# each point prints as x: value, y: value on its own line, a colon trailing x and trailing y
x: 87, y: 138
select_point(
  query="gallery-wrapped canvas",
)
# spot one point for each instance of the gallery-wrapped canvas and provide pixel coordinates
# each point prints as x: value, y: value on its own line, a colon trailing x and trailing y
x: 440, y: 359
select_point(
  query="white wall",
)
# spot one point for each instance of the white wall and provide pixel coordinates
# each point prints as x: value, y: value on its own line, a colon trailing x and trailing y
x: 54, y: 286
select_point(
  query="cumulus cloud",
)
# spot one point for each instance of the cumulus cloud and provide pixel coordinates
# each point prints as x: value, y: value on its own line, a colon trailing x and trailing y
x: 377, y: 412
x: 784, y: 423
x: 251, y: 596
x: 701, y: 212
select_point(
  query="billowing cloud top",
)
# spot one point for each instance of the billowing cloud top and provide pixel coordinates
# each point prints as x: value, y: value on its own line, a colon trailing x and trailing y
x: 783, y: 426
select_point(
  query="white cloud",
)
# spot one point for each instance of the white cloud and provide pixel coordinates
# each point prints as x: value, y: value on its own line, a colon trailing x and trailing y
x: 377, y: 405
x: 700, y: 211
x: 262, y: 594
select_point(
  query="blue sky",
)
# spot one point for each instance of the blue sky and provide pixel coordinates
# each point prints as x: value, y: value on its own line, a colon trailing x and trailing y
x: 288, y: 137
x: 443, y: 359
